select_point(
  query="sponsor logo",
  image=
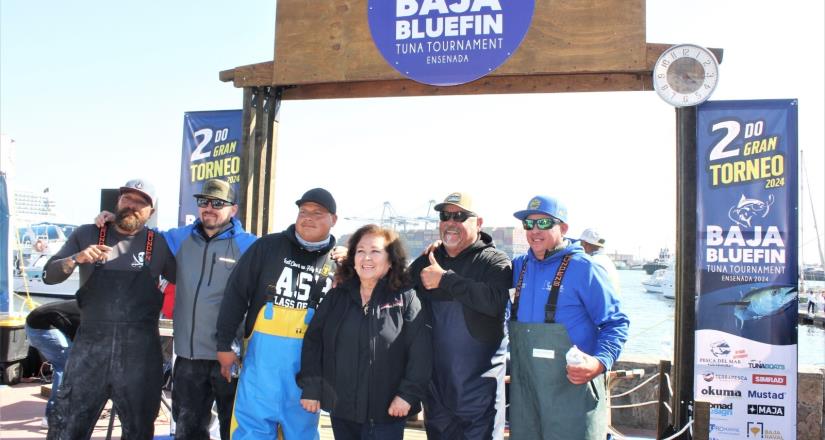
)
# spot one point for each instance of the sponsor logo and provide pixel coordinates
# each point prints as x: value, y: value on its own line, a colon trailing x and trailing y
x: 756, y: 430
x: 718, y: 429
x: 720, y: 349
x: 752, y: 394
x: 710, y: 376
x: 769, y: 379
x: 764, y: 410
x: 710, y: 391
x: 764, y: 365
x: 723, y: 355
x: 721, y: 409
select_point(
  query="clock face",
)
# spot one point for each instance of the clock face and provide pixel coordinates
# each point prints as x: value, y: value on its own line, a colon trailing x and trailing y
x: 685, y: 75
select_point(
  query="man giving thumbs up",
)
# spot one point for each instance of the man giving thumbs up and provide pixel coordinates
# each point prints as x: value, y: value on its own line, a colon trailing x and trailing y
x: 464, y: 282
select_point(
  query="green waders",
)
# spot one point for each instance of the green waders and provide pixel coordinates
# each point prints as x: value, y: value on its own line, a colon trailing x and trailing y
x: 544, y: 405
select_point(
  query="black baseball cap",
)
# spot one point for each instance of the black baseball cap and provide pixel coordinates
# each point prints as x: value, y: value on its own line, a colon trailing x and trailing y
x: 319, y: 196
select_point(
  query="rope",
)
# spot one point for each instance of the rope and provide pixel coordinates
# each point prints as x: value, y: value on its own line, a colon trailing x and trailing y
x: 667, y: 380
x: 633, y: 405
x: 636, y: 387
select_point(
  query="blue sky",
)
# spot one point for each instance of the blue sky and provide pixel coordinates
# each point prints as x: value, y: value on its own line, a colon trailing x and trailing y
x: 93, y: 93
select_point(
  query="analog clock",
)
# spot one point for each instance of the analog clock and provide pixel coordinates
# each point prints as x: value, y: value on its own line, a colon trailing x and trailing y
x: 685, y: 75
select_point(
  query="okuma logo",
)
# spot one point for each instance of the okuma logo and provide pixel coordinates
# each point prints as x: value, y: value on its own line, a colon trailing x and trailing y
x: 710, y: 391
x: 743, y: 212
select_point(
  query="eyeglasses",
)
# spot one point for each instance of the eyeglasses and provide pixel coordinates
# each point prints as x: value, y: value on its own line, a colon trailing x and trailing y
x: 216, y: 204
x: 544, y: 223
x: 458, y: 216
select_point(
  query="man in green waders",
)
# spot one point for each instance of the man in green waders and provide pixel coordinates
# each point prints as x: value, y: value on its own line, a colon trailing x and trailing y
x: 566, y: 331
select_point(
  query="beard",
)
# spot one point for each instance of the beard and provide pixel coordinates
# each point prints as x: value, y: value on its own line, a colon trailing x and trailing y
x: 128, y: 220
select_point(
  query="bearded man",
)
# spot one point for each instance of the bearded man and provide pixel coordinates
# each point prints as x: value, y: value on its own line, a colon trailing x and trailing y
x: 117, y: 352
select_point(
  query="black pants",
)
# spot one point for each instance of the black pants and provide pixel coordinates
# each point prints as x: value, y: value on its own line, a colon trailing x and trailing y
x: 196, y: 383
x: 344, y: 429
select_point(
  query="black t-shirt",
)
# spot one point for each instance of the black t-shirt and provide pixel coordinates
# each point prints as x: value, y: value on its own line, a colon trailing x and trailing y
x: 126, y: 255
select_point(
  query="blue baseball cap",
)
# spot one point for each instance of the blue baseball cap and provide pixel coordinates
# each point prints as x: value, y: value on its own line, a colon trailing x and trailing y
x: 543, y: 205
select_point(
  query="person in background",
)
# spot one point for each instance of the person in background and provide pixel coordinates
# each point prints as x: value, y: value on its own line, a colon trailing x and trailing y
x: 274, y: 289
x: 566, y: 331
x: 367, y: 354
x: 117, y: 352
x: 593, y: 244
x: 50, y: 328
x: 464, y: 284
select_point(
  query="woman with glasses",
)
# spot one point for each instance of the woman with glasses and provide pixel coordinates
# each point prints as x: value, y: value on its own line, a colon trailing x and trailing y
x: 367, y: 356
x: 563, y: 304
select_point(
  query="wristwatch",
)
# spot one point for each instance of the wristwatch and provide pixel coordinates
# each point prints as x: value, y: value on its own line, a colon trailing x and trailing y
x: 74, y: 258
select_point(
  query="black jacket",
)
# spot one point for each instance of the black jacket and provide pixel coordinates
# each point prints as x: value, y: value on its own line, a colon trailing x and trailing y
x: 62, y: 315
x: 355, y: 363
x: 277, y: 267
x: 479, y: 278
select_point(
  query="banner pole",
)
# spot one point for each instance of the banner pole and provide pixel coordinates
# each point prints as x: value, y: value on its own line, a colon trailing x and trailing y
x: 685, y: 267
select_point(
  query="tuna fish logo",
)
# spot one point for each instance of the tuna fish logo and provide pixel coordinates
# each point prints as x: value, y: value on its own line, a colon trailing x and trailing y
x: 760, y: 303
x: 743, y: 212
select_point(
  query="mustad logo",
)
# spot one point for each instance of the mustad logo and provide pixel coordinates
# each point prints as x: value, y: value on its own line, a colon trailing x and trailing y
x: 769, y: 379
x: 710, y: 391
x: 721, y: 409
x: 765, y: 395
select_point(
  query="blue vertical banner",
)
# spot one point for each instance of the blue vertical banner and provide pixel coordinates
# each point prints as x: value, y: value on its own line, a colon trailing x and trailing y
x: 6, y: 248
x: 746, y: 312
x: 211, y: 150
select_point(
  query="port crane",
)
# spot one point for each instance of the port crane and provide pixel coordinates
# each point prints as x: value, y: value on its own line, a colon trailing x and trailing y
x: 392, y: 220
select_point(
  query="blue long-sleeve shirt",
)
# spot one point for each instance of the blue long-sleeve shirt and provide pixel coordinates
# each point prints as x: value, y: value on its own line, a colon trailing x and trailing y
x: 587, y: 305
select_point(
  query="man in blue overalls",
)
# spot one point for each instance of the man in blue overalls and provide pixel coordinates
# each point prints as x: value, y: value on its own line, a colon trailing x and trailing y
x: 463, y: 283
x: 562, y: 299
x: 116, y: 353
x: 273, y: 291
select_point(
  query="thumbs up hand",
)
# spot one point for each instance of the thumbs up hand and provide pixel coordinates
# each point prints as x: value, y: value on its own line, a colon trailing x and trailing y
x: 431, y: 275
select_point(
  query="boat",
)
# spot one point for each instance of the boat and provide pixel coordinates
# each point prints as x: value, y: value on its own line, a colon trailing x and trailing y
x: 653, y: 283
x: 669, y: 283
x: 659, y: 263
x: 28, y: 279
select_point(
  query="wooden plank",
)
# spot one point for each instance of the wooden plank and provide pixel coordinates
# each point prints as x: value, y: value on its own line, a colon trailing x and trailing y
x: 487, y: 85
x: 330, y: 41
x: 631, y: 80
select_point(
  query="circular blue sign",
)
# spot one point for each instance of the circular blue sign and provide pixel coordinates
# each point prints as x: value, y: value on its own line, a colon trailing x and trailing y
x: 448, y: 42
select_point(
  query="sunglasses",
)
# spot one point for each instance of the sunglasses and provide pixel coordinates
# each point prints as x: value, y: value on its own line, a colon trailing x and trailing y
x: 459, y: 216
x: 543, y: 223
x: 216, y: 204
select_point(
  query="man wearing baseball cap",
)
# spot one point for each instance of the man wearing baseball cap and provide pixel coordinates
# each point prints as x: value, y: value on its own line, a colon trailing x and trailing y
x: 206, y: 252
x: 566, y: 331
x: 593, y: 244
x: 464, y: 282
x: 273, y: 292
x: 116, y: 353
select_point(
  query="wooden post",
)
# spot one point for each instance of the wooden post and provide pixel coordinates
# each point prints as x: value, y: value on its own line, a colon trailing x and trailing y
x: 662, y: 414
x: 701, y: 421
x: 259, y: 140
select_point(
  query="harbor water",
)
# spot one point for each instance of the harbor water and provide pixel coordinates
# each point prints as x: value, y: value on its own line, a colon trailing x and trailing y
x: 651, y: 323
x: 652, y: 318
